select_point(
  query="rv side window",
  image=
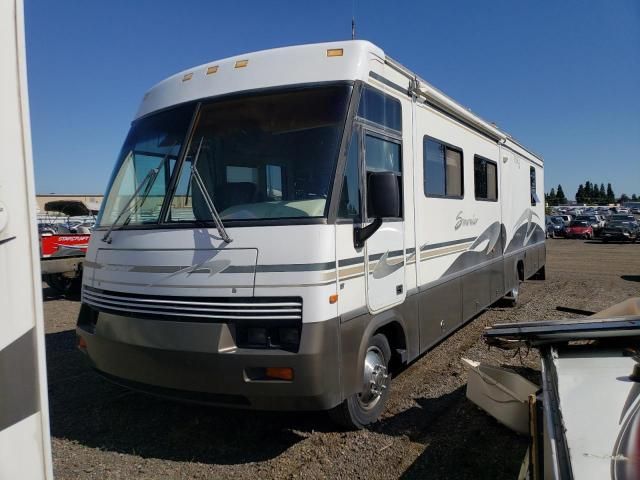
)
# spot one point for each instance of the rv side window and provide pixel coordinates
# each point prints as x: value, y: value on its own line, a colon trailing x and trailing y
x: 350, y: 196
x: 532, y: 183
x: 242, y: 174
x: 383, y: 155
x: 443, y: 175
x: 274, y: 181
x: 486, y: 179
x: 379, y: 108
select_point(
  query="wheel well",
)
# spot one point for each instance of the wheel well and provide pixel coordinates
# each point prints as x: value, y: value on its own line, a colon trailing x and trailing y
x: 520, y: 270
x: 397, y: 341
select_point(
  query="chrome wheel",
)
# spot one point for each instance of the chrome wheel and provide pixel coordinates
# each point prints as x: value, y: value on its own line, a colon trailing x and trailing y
x: 375, y: 378
x: 364, y: 408
x: 515, y: 291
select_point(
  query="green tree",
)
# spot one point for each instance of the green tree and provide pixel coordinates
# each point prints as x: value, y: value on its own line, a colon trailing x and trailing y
x: 588, y: 192
x: 634, y: 198
x: 611, y: 197
x: 551, y: 198
x: 623, y: 198
x: 580, y: 194
x: 602, y: 195
x: 561, y: 198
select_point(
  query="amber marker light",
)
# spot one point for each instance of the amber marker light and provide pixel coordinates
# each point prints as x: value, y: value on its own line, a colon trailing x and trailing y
x: 187, y: 77
x: 242, y: 63
x: 212, y: 70
x: 82, y: 343
x: 280, y: 373
x: 335, y: 52
x: 333, y: 298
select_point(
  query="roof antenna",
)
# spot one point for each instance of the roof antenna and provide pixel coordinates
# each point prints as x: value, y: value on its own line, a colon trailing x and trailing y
x: 353, y: 20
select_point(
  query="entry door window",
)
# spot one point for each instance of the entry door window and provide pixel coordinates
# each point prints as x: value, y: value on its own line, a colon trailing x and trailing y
x: 382, y: 155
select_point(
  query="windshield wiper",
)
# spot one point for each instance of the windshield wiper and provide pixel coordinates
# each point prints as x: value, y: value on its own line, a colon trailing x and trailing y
x: 148, y: 180
x: 195, y: 175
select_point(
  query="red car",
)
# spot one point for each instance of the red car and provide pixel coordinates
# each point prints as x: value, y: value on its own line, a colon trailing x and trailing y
x: 578, y: 229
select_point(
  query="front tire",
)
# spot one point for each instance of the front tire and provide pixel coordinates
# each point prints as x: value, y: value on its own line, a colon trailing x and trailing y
x: 364, y: 408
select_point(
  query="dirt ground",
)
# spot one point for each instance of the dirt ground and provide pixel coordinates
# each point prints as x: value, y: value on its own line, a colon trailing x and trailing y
x: 429, y: 430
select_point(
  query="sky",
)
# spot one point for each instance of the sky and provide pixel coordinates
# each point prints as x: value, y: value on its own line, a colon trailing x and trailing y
x: 563, y: 77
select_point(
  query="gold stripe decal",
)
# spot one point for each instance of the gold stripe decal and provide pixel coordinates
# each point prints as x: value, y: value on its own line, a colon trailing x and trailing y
x: 440, y: 252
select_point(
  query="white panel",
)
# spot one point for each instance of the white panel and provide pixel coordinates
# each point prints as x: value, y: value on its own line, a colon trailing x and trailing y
x: 24, y: 447
x: 438, y: 219
x: 351, y: 285
x: 593, y: 391
x: 268, y: 68
x: 21, y: 452
x: 274, y: 245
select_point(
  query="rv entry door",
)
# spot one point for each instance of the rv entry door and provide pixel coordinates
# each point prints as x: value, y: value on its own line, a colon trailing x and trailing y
x: 385, y: 248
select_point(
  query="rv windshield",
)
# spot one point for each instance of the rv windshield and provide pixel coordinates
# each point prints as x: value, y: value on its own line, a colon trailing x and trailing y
x: 152, y: 143
x: 266, y: 156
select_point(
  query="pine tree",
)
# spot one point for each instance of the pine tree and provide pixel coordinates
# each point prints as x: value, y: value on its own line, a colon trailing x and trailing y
x: 602, y: 195
x: 580, y: 194
x: 588, y: 192
x: 551, y: 198
x: 562, y: 200
x: 634, y: 197
x: 624, y: 198
x: 611, y: 197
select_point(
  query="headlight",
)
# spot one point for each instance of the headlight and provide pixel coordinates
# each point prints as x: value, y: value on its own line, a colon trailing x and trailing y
x: 289, y: 336
x: 257, y: 336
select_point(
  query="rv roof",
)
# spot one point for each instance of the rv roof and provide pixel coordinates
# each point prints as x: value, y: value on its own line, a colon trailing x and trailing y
x: 302, y: 64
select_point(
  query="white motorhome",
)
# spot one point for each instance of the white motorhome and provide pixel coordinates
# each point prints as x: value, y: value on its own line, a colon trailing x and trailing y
x: 285, y: 228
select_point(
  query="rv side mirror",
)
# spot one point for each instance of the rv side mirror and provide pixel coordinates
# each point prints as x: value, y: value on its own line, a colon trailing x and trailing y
x: 383, y: 201
x: 383, y: 195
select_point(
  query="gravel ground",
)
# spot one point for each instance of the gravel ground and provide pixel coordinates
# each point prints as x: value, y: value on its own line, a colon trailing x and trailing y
x: 429, y: 430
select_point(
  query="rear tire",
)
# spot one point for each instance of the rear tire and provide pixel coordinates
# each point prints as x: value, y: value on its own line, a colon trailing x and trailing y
x: 511, y: 298
x: 64, y: 285
x: 540, y: 274
x: 364, y: 408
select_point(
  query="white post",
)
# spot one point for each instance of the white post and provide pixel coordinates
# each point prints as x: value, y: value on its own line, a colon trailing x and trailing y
x: 25, y: 447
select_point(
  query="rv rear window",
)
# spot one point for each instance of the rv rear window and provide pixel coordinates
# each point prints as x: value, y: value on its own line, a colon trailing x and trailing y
x: 443, y: 176
x: 486, y: 179
x: 532, y: 182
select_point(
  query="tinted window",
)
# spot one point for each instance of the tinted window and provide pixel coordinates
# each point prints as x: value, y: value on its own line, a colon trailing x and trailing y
x: 532, y: 182
x: 442, y: 169
x: 383, y: 156
x: 485, y: 178
x: 266, y: 156
x: 379, y: 108
x: 350, y: 197
x: 153, y: 143
x: 275, y: 180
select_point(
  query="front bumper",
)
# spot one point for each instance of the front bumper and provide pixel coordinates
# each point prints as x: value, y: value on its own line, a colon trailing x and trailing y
x: 617, y: 236
x: 199, y: 362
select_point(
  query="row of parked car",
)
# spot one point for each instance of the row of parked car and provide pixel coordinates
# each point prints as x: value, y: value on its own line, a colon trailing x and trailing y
x: 614, y: 227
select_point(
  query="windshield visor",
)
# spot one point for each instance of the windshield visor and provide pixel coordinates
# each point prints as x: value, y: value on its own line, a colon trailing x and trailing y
x: 268, y: 156
x: 144, y: 168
